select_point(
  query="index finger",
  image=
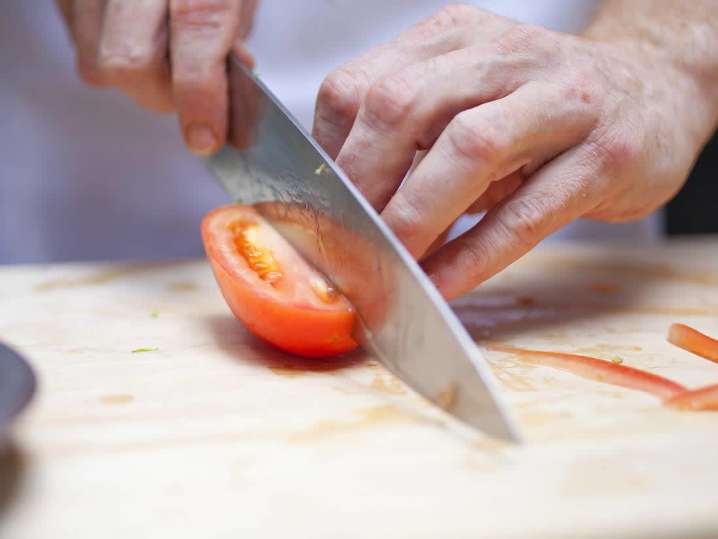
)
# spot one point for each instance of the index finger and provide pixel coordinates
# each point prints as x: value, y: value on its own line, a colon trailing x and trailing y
x: 567, y: 188
x: 202, y: 34
x: 478, y: 147
x: 342, y: 92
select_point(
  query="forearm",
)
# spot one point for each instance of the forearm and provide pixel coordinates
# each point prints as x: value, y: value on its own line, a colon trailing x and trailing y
x: 682, y: 37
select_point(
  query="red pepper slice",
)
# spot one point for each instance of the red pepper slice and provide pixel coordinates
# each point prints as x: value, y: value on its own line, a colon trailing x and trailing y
x: 704, y: 398
x: 694, y: 341
x: 599, y: 370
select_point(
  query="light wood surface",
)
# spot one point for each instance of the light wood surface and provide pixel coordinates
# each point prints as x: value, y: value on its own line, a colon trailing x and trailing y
x: 215, y: 435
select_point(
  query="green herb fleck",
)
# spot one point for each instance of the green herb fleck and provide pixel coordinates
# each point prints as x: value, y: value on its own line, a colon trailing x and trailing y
x: 141, y: 350
x: 154, y: 313
x: 617, y: 360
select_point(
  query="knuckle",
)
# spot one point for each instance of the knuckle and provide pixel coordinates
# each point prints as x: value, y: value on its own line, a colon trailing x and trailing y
x: 209, y: 75
x: 474, y: 140
x: 389, y: 101
x: 473, y: 259
x: 523, y: 221
x: 406, y: 221
x: 210, y: 15
x: 452, y: 15
x: 339, y: 95
x: 129, y: 62
x: 204, y: 84
x: 613, y: 152
x: 579, y: 89
x: 521, y: 38
x: 452, y: 23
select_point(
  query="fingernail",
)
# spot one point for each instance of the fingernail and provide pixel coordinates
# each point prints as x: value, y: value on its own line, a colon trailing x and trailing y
x: 200, y: 139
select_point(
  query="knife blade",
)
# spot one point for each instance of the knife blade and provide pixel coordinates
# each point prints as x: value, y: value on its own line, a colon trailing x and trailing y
x: 273, y: 164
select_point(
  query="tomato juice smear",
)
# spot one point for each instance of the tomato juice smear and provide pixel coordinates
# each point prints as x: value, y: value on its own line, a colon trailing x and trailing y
x: 598, y: 370
x: 673, y: 394
x: 703, y: 398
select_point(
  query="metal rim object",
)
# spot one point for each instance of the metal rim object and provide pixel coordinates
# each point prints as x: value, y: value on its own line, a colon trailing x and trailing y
x: 17, y: 386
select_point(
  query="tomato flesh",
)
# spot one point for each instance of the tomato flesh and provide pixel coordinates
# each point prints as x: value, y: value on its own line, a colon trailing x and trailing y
x: 259, y: 259
x: 272, y: 289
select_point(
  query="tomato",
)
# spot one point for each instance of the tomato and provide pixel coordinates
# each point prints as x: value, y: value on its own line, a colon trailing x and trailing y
x: 272, y: 289
x: 693, y: 341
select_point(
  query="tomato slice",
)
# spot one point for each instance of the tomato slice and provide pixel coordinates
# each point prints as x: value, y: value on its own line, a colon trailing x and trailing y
x: 272, y: 289
x: 693, y: 341
x: 599, y: 370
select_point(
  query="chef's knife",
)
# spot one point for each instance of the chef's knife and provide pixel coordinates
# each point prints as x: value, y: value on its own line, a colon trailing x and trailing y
x: 17, y: 386
x: 273, y: 163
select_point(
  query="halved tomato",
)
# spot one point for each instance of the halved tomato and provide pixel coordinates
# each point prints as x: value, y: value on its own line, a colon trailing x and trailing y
x: 272, y: 289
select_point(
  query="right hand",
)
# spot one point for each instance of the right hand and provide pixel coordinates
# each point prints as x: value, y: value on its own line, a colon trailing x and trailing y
x: 167, y: 55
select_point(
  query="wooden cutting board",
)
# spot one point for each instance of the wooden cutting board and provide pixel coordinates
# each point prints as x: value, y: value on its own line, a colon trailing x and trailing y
x: 215, y: 435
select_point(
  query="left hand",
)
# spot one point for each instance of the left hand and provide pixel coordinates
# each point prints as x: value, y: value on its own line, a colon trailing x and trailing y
x: 167, y: 55
x: 538, y: 128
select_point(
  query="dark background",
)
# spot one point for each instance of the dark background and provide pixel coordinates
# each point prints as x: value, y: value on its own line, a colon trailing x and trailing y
x: 695, y: 209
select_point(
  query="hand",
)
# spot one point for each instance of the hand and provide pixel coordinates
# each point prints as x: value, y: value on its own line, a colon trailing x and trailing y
x: 537, y: 128
x: 168, y: 55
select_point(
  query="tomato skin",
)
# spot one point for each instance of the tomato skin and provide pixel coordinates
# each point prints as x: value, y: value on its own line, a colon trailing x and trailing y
x: 704, y: 398
x: 693, y: 341
x: 304, y: 330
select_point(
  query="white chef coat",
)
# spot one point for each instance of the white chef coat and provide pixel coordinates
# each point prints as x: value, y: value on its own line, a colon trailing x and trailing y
x: 85, y: 174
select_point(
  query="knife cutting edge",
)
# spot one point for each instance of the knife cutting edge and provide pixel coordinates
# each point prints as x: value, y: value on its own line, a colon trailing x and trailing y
x: 272, y: 163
